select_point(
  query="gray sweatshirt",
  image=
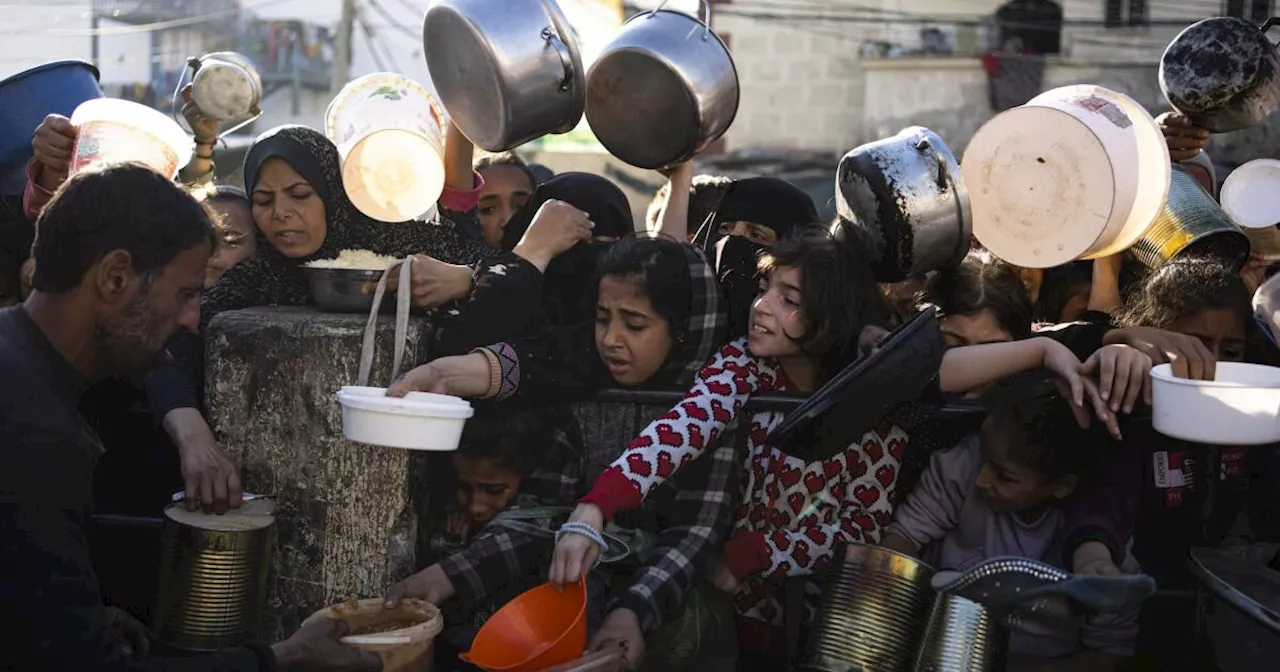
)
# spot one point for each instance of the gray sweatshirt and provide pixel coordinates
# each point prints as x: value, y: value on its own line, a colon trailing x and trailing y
x: 956, y: 530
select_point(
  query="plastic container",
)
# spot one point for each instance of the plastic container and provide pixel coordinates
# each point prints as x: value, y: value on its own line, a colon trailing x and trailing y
x: 1241, y: 407
x: 390, y: 137
x: 1249, y: 194
x: 118, y: 131
x: 541, y: 628
x: 407, y: 649
x: 26, y: 99
x: 419, y: 421
x: 1077, y: 172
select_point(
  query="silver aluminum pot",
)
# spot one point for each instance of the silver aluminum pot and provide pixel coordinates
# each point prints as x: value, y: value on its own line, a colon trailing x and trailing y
x: 908, y: 193
x: 507, y: 72
x: 663, y: 89
x: 226, y: 86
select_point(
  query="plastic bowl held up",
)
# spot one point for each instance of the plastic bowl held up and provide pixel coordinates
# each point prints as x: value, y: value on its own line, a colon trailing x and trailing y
x: 419, y: 421
x: 389, y: 131
x: 541, y: 628
x: 26, y: 99
x: 402, y: 637
x: 119, y: 131
x: 1241, y: 407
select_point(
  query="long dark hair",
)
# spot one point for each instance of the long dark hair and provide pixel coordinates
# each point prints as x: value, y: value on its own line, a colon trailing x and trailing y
x: 1179, y: 290
x: 839, y: 294
x: 982, y: 283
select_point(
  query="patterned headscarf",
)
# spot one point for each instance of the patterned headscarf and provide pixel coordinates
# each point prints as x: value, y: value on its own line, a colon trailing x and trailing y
x: 270, y: 278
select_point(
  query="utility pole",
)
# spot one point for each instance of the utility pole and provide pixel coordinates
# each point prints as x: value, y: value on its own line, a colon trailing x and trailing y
x: 342, y: 46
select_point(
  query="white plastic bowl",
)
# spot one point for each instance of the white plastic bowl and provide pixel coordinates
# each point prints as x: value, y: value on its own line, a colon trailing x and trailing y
x: 1249, y: 194
x: 419, y: 421
x: 1240, y: 408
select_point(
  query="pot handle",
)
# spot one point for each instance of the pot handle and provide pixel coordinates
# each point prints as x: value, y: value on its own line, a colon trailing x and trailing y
x: 1271, y: 23
x: 923, y: 145
x: 704, y: 5
x: 566, y: 59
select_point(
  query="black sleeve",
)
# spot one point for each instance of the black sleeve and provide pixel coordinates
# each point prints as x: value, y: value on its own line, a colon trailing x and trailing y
x: 54, y: 618
x: 505, y: 305
x: 1083, y: 338
x: 176, y: 383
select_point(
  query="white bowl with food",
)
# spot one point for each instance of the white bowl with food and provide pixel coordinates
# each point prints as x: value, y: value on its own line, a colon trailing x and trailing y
x: 417, y: 421
x: 1240, y: 407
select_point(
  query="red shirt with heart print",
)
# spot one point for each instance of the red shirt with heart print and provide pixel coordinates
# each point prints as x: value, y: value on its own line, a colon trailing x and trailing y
x: 793, y: 511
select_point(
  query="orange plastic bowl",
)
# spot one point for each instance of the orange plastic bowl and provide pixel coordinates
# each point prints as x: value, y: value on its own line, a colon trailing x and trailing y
x: 541, y: 628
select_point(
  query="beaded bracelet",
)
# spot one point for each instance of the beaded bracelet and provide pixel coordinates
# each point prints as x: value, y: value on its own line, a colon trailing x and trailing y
x: 579, y: 527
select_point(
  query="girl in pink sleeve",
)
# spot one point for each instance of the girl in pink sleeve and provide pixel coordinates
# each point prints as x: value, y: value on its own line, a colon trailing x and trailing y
x: 816, y: 296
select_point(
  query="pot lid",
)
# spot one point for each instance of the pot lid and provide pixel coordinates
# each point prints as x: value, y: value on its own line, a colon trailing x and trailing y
x: 254, y: 514
x: 420, y: 404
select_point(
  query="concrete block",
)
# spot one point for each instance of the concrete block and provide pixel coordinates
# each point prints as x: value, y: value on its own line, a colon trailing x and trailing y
x: 347, y: 521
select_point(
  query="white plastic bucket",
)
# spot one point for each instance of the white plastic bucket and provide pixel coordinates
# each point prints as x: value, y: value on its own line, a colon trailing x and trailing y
x: 110, y: 130
x: 1078, y: 172
x: 390, y: 137
x: 1240, y: 407
x: 418, y: 421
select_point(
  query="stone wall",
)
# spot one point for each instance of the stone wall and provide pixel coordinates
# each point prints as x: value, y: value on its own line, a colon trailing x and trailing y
x: 347, y: 520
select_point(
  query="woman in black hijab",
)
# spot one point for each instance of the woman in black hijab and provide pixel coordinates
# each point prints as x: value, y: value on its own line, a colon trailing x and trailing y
x: 303, y: 221
x: 301, y: 213
x: 756, y: 213
x: 512, y: 298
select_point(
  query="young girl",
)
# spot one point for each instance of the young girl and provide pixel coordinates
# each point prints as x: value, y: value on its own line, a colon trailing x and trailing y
x: 982, y: 300
x: 508, y: 185
x: 234, y: 226
x: 1002, y: 492
x: 816, y: 297
x: 658, y: 317
x: 1172, y: 495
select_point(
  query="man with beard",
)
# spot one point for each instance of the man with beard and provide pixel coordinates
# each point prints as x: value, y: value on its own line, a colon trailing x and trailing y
x: 120, y: 260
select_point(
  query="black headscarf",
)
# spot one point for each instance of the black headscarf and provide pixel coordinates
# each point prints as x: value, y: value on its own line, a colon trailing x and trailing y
x: 567, y: 282
x: 271, y: 278
x: 767, y: 201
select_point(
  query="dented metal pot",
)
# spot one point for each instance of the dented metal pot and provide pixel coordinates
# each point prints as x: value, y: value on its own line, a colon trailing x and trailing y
x: 908, y: 193
x: 1222, y: 73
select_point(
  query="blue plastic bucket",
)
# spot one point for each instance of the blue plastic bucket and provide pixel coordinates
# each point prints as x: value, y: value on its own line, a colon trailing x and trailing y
x: 26, y: 99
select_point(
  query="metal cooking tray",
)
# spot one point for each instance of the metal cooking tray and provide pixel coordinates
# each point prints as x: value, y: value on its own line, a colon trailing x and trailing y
x: 865, y: 391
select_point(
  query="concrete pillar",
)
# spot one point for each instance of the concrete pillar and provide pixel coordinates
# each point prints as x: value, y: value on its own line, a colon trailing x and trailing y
x: 347, y: 513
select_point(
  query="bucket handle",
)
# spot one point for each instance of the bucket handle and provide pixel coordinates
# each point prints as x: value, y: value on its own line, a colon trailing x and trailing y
x: 704, y: 5
x: 562, y: 50
x: 402, y: 321
x: 923, y: 145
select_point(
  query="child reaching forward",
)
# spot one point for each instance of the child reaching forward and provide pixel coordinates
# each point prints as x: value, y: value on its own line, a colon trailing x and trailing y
x: 814, y: 301
x: 1001, y: 493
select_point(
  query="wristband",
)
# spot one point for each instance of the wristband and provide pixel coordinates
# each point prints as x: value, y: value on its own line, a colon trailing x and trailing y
x: 579, y: 527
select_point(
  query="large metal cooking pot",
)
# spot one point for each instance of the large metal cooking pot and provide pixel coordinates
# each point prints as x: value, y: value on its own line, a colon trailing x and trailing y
x: 507, y: 72
x: 1222, y: 73
x: 663, y: 89
x: 908, y: 193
